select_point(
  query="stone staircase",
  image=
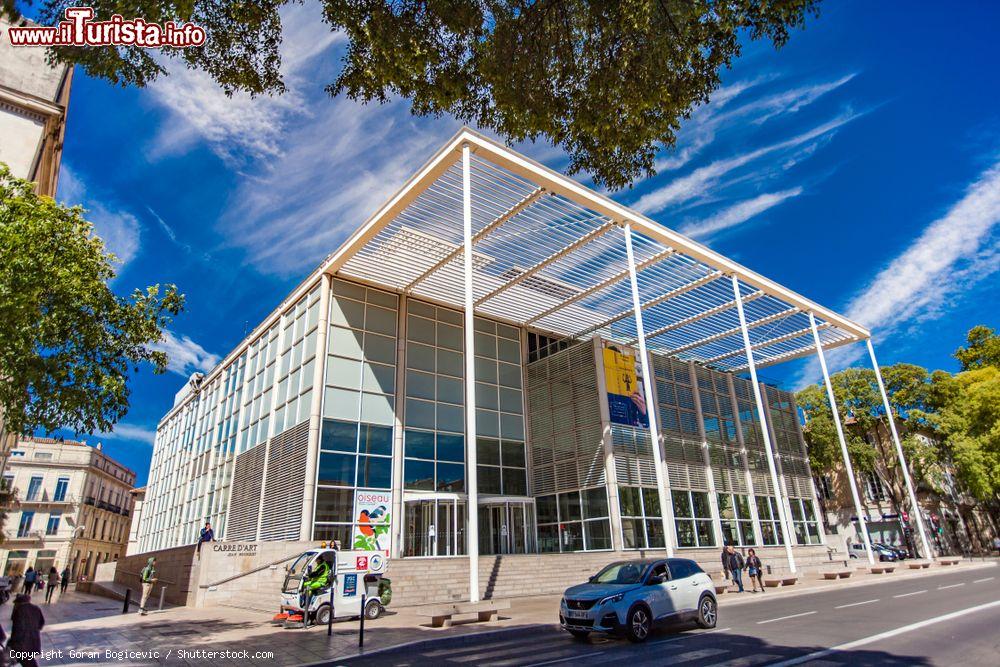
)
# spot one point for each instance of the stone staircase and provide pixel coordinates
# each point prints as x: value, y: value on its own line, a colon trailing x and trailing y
x: 417, y: 581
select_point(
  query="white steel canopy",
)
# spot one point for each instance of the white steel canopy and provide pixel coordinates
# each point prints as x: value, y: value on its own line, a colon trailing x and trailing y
x: 549, y: 253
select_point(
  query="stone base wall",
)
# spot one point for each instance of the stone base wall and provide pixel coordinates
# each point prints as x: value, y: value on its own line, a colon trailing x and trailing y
x: 176, y: 569
x: 245, y: 574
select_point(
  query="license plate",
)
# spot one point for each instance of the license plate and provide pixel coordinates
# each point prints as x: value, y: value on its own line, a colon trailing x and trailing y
x: 576, y: 614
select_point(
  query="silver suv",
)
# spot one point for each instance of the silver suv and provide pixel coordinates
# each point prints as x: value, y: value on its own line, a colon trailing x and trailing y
x: 629, y: 597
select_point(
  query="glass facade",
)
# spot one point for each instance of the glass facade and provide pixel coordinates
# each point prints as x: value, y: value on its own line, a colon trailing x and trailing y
x: 736, y: 520
x: 356, y: 438
x: 574, y: 521
x: 693, y: 519
x: 642, y: 526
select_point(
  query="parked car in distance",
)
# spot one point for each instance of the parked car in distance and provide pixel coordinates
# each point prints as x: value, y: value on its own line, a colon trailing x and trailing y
x: 630, y: 597
x: 883, y: 553
x: 901, y: 552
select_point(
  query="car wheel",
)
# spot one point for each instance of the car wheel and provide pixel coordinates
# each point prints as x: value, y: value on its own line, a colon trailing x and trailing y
x: 708, y: 612
x: 373, y: 609
x: 638, y: 623
x: 580, y: 634
x: 322, y: 615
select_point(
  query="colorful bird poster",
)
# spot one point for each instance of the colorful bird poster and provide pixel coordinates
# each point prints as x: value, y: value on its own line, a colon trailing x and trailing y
x: 372, y: 520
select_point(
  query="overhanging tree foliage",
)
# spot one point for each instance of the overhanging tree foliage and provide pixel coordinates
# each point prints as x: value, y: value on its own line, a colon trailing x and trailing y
x: 68, y: 344
x: 607, y: 81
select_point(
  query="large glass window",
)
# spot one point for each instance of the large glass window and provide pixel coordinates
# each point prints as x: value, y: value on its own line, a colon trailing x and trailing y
x: 574, y: 521
x: 693, y: 519
x: 737, y: 522
x: 804, y: 520
x: 34, y: 488
x: 770, y: 523
x: 642, y: 526
x: 296, y: 363
x: 53, y: 525
x: 24, y: 526
x: 501, y: 467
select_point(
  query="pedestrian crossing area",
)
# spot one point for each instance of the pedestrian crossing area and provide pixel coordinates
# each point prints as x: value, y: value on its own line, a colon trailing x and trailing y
x: 690, y: 649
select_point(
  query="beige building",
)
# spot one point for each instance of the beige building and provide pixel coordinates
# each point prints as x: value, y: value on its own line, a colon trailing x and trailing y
x: 33, y: 101
x: 72, y: 505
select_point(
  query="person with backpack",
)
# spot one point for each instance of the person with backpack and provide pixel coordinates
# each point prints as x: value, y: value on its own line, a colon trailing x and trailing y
x: 64, y: 581
x: 754, y: 569
x: 148, y: 578
x: 734, y: 564
x: 30, y: 577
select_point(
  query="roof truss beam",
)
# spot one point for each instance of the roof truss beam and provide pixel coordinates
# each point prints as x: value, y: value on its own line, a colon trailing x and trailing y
x: 527, y: 201
x: 806, y: 351
x: 607, y: 282
x: 694, y: 284
x: 767, y: 343
x: 732, y: 332
x: 528, y: 273
x: 715, y: 310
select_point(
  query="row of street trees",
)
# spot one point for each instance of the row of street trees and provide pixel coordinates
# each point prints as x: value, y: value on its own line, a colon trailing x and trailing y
x: 958, y: 416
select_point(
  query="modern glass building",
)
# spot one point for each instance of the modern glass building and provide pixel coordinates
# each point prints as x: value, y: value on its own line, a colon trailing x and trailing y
x: 481, y: 368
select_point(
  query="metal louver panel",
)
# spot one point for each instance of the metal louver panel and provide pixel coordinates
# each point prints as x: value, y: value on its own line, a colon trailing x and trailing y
x: 244, y: 500
x: 567, y: 450
x: 685, y: 464
x: 285, y: 486
x: 633, y: 456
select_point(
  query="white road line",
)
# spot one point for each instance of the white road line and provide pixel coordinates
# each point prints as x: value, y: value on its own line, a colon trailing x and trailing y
x: 571, y: 657
x: 781, y: 618
x: 746, y: 661
x: 979, y: 581
x: 689, y: 635
x: 941, y: 588
x: 906, y: 595
x: 883, y: 635
x: 855, y: 604
x: 696, y: 655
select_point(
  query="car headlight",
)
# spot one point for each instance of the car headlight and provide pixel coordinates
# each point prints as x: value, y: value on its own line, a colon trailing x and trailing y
x: 612, y: 598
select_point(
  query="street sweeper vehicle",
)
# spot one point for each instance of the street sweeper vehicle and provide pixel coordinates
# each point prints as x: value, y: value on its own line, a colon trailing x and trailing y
x: 326, y: 580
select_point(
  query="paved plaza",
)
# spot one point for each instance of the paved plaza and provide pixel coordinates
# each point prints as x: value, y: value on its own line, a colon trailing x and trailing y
x: 91, y: 626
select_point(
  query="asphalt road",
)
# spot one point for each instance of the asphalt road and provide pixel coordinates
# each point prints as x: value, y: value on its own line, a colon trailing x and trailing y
x: 946, y: 619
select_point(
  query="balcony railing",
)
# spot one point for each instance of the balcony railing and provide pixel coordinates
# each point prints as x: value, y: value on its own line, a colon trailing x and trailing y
x: 104, y: 505
x: 46, y: 499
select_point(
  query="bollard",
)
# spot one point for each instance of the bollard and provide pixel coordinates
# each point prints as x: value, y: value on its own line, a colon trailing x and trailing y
x: 305, y: 611
x: 128, y: 598
x: 163, y: 592
x: 329, y: 619
x: 361, y: 628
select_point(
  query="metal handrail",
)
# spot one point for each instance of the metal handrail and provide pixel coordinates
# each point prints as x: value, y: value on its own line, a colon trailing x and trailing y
x: 249, y: 572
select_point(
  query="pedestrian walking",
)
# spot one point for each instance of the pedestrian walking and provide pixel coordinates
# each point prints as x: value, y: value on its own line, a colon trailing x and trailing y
x: 64, y: 581
x: 735, y: 564
x: 30, y: 577
x: 27, y: 622
x: 725, y: 561
x: 51, y: 583
x: 147, y: 577
x: 996, y: 544
x: 754, y: 569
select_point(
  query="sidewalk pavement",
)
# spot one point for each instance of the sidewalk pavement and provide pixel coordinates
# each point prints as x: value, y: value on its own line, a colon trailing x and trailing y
x: 90, y: 624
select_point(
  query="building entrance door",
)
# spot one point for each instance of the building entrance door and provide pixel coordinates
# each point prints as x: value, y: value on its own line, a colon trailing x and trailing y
x: 434, y: 526
x: 503, y: 528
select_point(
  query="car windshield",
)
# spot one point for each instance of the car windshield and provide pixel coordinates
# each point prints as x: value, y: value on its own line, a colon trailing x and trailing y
x: 294, y: 577
x: 628, y: 572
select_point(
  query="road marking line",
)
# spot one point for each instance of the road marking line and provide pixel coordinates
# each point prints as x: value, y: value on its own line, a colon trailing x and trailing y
x: 696, y: 655
x: 746, y: 661
x: 941, y: 588
x: 855, y: 604
x: 571, y: 657
x: 883, y: 635
x: 781, y: 618
x: 979, y: 581
x: 906, y: 595
x: 688, y: 636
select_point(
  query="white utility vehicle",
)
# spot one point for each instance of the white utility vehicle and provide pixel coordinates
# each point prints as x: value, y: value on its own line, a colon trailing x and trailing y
x: 324, y: 576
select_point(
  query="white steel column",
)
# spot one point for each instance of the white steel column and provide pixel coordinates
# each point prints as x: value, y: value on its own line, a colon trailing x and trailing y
x: 647, y: 386
x: 472, y: 493
x: 862, y: 518
x: 752, y: 367
x: 315, y: 410
x: 899, y: 451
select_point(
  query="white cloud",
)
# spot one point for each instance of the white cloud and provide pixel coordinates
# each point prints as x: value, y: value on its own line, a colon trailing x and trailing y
x: 184, y: 356
x: 738, y: 213
x: 788, y: 101
x: 703, y: 179
x: 920, y: 277
x: 924, y: 282
x: 130, y: 432
x: 240, y: 127
x: 118, y: 229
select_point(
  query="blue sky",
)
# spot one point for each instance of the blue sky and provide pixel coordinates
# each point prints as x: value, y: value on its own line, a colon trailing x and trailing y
x: 859, y: 166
